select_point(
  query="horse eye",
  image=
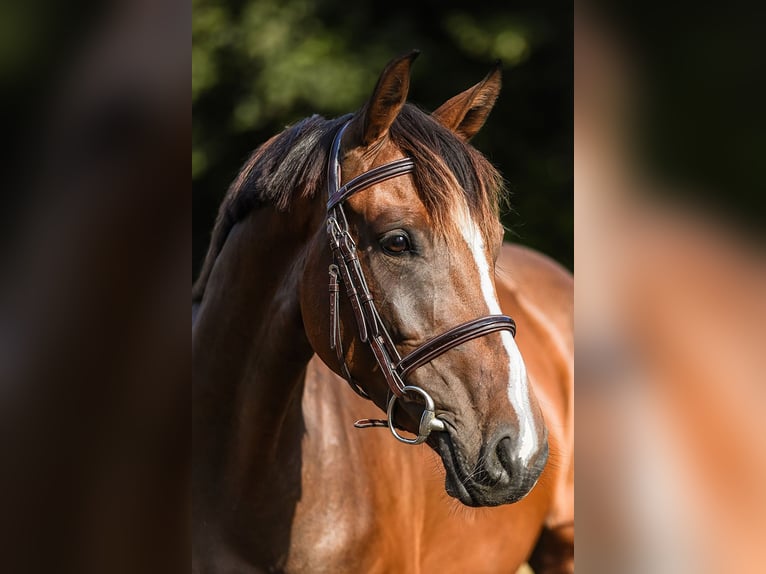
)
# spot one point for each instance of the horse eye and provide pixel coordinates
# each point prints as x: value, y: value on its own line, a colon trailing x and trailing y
x: 395, y: 244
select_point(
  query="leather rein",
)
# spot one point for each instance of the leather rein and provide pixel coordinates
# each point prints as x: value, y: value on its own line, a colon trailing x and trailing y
x: 346, y: 269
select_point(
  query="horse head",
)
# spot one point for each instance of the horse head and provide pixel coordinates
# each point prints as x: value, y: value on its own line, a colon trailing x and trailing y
x: 426, y: 240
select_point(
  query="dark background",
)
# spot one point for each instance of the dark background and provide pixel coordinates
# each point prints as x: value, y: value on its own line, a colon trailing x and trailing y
x: 260, y: 65
x: 257, y: 66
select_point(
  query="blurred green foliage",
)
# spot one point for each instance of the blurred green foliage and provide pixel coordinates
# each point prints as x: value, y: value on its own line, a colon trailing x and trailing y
x: 260, y: 65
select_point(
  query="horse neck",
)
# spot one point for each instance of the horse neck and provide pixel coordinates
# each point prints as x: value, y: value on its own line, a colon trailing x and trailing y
x: 250, y: 349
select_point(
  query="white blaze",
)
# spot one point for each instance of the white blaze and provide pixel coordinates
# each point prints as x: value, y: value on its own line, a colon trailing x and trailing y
x: 518, y: 391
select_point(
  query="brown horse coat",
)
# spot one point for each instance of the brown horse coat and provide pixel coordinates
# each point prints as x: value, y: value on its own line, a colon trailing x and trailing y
x: 281, y: 480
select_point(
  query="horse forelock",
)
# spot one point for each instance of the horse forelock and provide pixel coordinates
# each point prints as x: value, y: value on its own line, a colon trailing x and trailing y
x: 449, y: 174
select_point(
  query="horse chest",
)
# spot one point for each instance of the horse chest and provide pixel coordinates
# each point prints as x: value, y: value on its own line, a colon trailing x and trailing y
x: 334, y: 537
x: 347, y: 518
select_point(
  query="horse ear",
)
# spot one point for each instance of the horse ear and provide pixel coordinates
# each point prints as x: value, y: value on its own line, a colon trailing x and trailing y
x: 386, y: 102
x: 466, y: 113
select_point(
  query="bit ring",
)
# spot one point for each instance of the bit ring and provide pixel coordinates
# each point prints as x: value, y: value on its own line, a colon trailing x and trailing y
x: 428, y: 420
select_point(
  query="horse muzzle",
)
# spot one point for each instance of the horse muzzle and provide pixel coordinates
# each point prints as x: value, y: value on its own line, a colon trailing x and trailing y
x: 499, y: 476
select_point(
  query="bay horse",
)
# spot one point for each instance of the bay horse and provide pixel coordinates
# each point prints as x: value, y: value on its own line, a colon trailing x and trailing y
x: 368, y: 248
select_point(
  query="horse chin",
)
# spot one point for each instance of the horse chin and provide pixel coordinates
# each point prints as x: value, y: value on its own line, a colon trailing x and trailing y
x: 460, y: 485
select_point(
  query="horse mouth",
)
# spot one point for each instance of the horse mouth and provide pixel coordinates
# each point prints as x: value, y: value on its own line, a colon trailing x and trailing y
x: 458, y: 483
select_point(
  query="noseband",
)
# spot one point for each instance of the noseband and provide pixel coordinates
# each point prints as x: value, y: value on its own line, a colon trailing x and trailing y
x: 346, y: 269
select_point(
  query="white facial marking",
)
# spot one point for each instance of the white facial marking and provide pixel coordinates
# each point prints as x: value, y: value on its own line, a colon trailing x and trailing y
x: 518, y: 391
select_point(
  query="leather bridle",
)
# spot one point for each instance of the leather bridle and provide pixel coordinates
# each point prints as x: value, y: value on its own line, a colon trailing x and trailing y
x: 347, y: 270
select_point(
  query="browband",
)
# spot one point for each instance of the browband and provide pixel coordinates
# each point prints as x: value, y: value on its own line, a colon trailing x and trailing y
x: 378, y: 174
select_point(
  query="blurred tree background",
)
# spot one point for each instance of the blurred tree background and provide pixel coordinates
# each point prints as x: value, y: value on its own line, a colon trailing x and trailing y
x: 260, y: 65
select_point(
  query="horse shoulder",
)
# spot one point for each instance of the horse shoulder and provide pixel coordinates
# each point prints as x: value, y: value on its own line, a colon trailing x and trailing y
x: 539, y: 284
x: 539, y: 294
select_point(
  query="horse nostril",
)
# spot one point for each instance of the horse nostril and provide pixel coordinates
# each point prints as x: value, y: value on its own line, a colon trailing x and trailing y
x: 504, y: 454
x: 504, y: 465
x: 498, y: 463
x: 505, y: 474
